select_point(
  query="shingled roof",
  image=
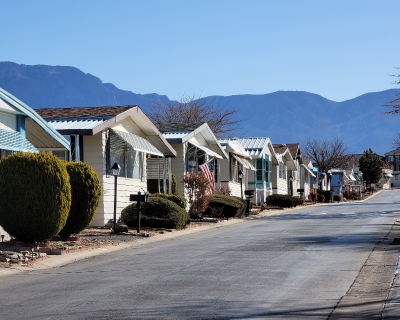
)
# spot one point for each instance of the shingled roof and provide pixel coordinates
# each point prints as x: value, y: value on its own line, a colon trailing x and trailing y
x: 179, y: 126
x: 89, y: 112
x: 293, y: 147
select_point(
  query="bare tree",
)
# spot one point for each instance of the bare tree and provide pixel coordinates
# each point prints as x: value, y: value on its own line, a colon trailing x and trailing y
x: 327, y: 154
x: 394, y: 104
x: 396, y: 141
x: 193, y: 109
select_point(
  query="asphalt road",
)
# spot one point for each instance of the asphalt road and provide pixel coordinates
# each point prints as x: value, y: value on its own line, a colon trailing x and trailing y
x: 297, y: 265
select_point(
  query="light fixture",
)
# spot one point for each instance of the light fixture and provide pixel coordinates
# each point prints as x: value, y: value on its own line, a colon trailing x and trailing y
x: 115, y: 169
x: 240, y: 174
x: 290, y: 178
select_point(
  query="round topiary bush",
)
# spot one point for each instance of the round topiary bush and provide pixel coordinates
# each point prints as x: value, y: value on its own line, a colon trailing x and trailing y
x: 232, y: 206
x: 35, y: 196
x: 85, y: 196
x: 157, y: 213
x: 179, y: 200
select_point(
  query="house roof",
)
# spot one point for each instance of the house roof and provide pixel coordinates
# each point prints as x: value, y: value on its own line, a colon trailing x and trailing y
x: 179, y: 127
x: 37, y: 131
x: 393, y: 152
x: 90, y: 121
x: 255, y: 146
x: 234, y: 147
x: 184, y: 132
x: 90, y: 112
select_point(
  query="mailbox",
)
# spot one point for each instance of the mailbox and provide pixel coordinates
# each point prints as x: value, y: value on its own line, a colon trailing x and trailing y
x: 139, y: 197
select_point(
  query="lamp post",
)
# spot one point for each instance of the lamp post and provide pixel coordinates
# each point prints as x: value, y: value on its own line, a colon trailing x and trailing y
x: 240, y: 179
x: 115, y: 169
x: 291, y: 184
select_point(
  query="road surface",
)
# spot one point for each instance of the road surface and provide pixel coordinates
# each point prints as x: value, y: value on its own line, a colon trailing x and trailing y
x: 297, y: 265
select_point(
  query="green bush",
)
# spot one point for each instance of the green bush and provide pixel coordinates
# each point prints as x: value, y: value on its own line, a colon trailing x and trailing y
x: 174, y: 184
x: 232, y: 206
x: 85, y: 196
x: 285, y: 201
x: 327, y: 195
x: 157, y: 213
x: 35, y: 196
x: 321, y: 198
x: 179, y: 200
x: 337, y: 197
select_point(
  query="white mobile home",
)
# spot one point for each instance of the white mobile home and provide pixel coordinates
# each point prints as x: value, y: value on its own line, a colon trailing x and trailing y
x: 101, y: 136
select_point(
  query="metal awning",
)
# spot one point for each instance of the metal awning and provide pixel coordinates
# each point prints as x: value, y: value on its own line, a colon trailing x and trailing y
x: 388, y: 175
x: 206, y: 150
x: 246, y: 164
x: 15, y: 141
x: 138, y: 143
x: 308, y: 169
x: 351, y: 177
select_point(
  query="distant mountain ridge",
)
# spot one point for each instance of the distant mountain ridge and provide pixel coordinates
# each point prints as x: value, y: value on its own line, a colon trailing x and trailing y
x: 284, y: 116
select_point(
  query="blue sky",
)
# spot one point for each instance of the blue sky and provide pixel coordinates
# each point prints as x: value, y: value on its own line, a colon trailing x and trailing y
x: 338, y: 49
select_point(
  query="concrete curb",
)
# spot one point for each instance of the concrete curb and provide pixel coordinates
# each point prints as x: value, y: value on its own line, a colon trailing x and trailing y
x: 61, y: 260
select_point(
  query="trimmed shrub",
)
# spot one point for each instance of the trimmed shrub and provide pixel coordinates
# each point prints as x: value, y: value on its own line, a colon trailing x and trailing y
x: 327, y: 195
x: 157, y: 213
x: 35, y: 196
x: 232, y: 206
x: 174, y: 184
x: 85, y: 196
x: 337, y: 197
x: 179, y: 200
x: 321, y: 198
x: 284, y: 201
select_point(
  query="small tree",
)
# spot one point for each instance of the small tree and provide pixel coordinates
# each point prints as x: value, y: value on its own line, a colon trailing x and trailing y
x: 174, y: 184
x: 327, y: 154
x: 371, y: 166
x: 198, y: 187
x: 85, y: 197
x: 35, y: 196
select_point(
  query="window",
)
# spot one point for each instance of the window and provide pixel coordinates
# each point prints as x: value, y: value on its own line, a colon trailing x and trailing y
x: 59, y: 154
x: 390, y: 158
x: 259, y: 169
x: 195, y: 158
x: 235, y: 167
x: 130, y: 160
x: 266, y: 166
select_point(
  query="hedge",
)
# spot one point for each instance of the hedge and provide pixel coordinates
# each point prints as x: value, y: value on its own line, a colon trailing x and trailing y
x: 285, y: 201
x: 85, y: 196
x: 337, y: 197
x: 179, y: 200
x: 152, y: 186
x: 157, y: 213
x: 232, y: 206
x: 326, y: 194
x: 35, y: 196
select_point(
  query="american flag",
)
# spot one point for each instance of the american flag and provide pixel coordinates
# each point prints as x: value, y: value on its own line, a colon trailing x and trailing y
x: 208, y: 170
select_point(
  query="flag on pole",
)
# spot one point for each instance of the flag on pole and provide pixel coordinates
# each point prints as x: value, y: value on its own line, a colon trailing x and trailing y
x: 208, y: 170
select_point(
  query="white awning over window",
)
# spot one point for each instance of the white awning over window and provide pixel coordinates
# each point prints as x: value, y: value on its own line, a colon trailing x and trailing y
x: 308, y: 169
x: 138, y: 143
x: 206, y: 150
x: 246, y: 164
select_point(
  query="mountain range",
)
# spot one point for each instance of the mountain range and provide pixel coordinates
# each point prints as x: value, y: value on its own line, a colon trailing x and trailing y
x: 284, y: 116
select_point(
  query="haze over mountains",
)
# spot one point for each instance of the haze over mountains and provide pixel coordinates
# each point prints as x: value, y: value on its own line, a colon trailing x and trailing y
x: 284, y: 116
